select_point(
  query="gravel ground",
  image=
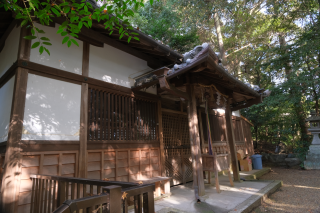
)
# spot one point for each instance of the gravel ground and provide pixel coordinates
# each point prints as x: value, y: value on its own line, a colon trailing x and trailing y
x: 300, y: 191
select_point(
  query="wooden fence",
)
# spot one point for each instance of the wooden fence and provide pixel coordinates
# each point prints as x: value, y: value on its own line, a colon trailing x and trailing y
x: 64, y: 194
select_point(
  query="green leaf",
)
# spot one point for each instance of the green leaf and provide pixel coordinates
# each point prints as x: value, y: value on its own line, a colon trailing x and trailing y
x: 24, y: 22
x: 66, y: 9
x: 36, y: 44
x: 55, y: 11
x: 129, y: 39
x: 47, y: 51
x: 60, y: 31
x: 32, y: 31
x: 47, y: 43
x: 74, y: 35
x: 65, y: 39
x: 85, y: 24
x: 30, y: 37
x: 110, y: 32
x: 41, y: 50
x: 69, y: 43
x: 75, y: 42
x: 45, y: 39
x: 39, y: 31
x: 80, y: 24
x: 136, y: 38
x: 151, y: 2
x: 86, y: 8
x: 64, y: 33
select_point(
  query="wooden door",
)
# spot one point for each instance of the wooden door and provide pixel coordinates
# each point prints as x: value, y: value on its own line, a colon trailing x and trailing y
x: 178, y: 161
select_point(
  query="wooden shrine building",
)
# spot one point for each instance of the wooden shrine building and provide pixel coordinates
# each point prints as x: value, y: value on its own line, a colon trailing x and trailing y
x: 110, y: 109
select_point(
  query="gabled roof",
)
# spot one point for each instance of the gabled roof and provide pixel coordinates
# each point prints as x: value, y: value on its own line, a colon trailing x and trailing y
x: 202, y: 65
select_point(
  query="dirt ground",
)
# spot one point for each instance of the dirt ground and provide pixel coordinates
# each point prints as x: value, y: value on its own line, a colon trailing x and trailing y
x: 300, y: 191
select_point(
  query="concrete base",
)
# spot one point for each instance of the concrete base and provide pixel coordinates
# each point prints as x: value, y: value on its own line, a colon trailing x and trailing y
x: 313, y: 158
x: 243, y: 197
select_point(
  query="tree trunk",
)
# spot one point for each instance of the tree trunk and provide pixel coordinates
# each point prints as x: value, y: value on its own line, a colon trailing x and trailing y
x: 220, y: 39
x: 298, y: 108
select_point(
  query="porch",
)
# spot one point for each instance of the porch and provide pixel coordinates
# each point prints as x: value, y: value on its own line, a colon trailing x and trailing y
x: 243, y: 197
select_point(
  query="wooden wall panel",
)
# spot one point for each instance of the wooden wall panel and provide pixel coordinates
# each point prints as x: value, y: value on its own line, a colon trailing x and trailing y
x: 124, y: 165
x: 46, y: 163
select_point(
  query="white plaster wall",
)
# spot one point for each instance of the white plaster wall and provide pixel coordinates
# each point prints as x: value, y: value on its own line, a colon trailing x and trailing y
x: 61, y: 56
x: 6, y: 94
x: 9, y: 53
x: 114, y: 66
x: 52, y: 110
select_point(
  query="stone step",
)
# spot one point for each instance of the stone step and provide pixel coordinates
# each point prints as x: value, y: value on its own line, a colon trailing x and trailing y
x: 311, y: 157
x: 312, y: 164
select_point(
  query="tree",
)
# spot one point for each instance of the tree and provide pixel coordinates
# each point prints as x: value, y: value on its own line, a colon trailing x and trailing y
x: 114, y: 14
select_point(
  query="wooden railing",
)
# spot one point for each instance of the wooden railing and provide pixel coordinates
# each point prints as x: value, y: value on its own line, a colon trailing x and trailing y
x: 64, y: 194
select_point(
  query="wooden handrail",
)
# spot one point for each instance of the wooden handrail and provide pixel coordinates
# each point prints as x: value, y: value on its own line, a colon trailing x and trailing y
x: 52, y: 193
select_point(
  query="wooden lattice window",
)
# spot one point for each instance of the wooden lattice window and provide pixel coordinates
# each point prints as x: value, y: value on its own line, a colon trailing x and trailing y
x: 116, y: 117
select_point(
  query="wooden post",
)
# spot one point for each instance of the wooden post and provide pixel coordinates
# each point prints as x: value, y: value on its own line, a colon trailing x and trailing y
x: 162, y: 156
x: 84, y: 114
x: 12, y: 163
x: 201, y: 132
x: 231, y: 141
x: 198, y: 182
x: 115, y: 197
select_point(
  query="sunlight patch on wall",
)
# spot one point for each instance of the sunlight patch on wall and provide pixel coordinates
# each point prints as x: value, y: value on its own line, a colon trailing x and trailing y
x: 52, y: 110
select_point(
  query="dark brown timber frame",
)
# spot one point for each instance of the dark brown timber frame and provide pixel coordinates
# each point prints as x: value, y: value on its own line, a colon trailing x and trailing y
x: 12, y: 164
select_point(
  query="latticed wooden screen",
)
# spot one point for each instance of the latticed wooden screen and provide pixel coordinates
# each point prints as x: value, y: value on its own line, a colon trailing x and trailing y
x: 178, y: 162
x: 116, y: 117
x: 217, y: 122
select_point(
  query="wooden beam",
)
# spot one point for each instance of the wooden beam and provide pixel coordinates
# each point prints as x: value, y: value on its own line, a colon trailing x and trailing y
x: 231, y: 141
x: 83, y: 131
x: 162, y: 156
x: 166, y: 86
x: 84, y: 114
x: 249, y: 103
x: 12, y: 165
x: 198, y: 182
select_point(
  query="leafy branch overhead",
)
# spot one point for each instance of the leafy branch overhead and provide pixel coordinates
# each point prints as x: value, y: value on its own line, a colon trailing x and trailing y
x: 76, y: 14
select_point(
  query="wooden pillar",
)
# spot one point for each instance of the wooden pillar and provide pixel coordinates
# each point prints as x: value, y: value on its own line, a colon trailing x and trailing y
x: 198, y: 182
x: 231, y: 141
x: 12, y: 163
x: 201, y: 132
x: 84, y: 114
x: 162, y: 154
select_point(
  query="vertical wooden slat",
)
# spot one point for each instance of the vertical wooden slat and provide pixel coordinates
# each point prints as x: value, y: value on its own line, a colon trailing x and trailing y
x: 102, y: 166
x: 41, y: 194
x: 32, y: 195
x: 101, y: 116
x: 50, y: 197
x: 54, y: 199
x: 78, y: 190
x: 37, y: 194
x: 127, y: 107
x: 138, y: 108
x: 148, y: 120
x: 116, y: 166
x: 144, y: 120
x: 123, y: 119
x: 46, y: 186
x: 73, y: 188
x: 134, y: 116
x: 138, y: 203
x: 96, y: 115
x: 112, y: 117
x: 160, y: 135
x: 105, y: 115
x: 109, y: 117
x: 84, y: 190
x: 116, y: 116
x: 130, y: 116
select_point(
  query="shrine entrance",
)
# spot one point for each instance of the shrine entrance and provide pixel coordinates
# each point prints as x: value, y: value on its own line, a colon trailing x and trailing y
x: 178, y: 160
